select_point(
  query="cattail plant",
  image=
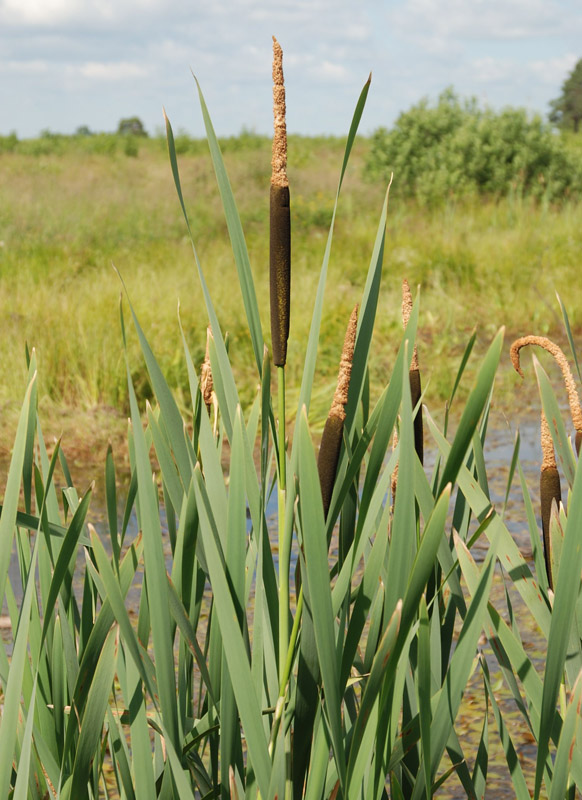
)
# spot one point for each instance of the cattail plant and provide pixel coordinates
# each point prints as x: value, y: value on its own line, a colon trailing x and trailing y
x: 280, y: 222
x: 331, y: 439
x: 413, y: 375
x: 550, y: 489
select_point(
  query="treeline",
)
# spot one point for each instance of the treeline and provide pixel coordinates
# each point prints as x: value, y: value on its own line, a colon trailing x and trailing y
x: 49, y: 143
x: 454, y: 148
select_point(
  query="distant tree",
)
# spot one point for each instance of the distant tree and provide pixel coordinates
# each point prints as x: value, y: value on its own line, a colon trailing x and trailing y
x: 132, y: 126
x: 83, y: 130
x: 567, y: 109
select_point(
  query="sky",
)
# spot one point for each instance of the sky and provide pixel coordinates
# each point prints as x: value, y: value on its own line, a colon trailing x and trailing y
x: 67, y: 63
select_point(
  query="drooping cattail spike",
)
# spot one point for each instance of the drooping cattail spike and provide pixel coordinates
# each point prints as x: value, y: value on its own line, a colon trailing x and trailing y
x: 413, y: 375
x: 550, y: 490
x: 561, y: 360
x: 206, y: 382
x: 280, y: 219
x: 331, y: 439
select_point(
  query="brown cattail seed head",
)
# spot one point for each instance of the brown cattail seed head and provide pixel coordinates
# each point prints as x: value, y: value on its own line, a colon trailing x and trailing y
x: 331, y: 439
x: 561, y: 360
x: 550, y: 490
x: 206, y: 382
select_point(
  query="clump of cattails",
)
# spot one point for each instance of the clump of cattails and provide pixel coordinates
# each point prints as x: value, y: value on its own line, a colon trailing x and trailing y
x: 280, y: 219
x: 332, y: 436
x: 550, y: 488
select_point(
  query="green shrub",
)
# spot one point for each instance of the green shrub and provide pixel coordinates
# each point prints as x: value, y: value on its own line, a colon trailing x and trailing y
x: 454, y: 148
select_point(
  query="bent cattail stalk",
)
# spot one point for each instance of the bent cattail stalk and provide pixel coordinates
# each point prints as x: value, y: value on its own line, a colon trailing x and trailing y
x: 331, y: 439
x: 560, y: 358
x: 413, y: 375
x: 280, y: 219
x: 550, y: 488
x: 206, y: 382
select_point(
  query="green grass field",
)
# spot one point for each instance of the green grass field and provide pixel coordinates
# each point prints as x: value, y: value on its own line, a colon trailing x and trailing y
x: 67, y: 215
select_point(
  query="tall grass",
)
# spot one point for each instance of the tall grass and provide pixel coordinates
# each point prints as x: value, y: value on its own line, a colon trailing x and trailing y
x: 201, y: 695
x: 67, y: 217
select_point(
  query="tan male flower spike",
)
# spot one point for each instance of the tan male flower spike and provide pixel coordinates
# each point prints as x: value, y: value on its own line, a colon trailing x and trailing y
x: 206, y: 382
x: 280, y: 219
x: 331, y: 439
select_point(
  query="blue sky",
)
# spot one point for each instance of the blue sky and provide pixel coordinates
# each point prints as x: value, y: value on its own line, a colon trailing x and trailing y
x: 65, y: 63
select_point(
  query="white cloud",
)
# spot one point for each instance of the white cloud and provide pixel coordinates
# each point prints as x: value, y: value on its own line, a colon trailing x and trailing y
x: 478, y: 19
x: 336, y: 72
x: 112, y: 71
x: 35, y: 67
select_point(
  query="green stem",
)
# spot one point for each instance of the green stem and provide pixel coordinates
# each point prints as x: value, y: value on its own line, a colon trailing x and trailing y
x: 283, y: 559
x: 289, y: 657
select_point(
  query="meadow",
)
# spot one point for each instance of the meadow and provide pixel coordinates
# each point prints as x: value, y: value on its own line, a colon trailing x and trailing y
x: 70, y: 207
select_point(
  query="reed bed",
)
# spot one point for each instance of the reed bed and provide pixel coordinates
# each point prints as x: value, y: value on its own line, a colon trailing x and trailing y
x: 336, y: 673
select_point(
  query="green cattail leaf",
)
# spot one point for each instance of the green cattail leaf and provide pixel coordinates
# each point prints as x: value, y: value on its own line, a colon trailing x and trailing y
x: 312, y: 343
x: 509, y: 553
x: 515, y: 770
x: 111, y: 502
x: 562, y: 446
x: 157, y: 591
x: 315, y: 548
x: 367, y: 317
x: 479, y: 777
x: 232, y: 640
x: 472, y: 411
x: 359, y: 752
x: 21, y: 787
x: 91, y: 724
x: 569, y: 335
x: 450, y: 696
x: 68, y: 548
x: 403, y: 531
x: 13, y: 685
x: 224, y: 374
x: 565, y: 751
x: 114, y: 594
x: 237, y: 238
x: 566, y: 592
x: 173, y: 422
x: 12, y: 493
x: 424, y: 686
x: 388, y: 411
